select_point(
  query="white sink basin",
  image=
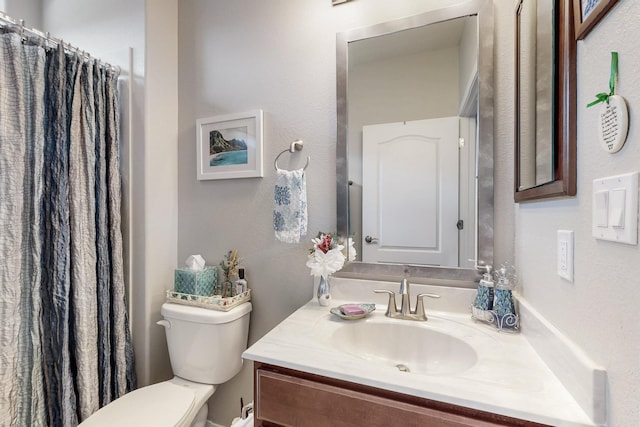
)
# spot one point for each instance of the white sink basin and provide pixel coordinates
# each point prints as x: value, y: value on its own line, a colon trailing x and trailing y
x: 410, y: 347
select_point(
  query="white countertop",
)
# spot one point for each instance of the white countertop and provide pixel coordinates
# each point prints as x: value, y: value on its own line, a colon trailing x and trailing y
x: 509, y: 377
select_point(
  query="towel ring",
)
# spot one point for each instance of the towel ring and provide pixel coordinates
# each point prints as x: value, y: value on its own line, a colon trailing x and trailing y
x: 295, y: 146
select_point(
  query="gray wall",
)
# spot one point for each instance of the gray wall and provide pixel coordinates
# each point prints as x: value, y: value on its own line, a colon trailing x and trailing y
x: 278, y: 56
x: 28, y: 10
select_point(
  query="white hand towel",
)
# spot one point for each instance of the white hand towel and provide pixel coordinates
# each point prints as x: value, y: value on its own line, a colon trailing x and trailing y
x: 290, y: 206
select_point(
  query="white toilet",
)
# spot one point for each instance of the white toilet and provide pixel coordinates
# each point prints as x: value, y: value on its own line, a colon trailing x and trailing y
x: 205, y: 348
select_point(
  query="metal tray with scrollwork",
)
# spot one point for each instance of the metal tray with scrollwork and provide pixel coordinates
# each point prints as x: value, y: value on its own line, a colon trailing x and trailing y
x: 507, y: 322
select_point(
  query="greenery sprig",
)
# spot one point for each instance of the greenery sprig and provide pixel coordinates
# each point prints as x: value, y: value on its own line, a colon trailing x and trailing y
x: 230, y: 265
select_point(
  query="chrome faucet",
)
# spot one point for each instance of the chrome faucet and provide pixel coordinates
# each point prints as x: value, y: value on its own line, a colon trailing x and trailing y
x: 405, y: 305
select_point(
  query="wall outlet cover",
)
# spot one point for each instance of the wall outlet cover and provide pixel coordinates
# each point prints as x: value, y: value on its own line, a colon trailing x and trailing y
x: 565, y: 254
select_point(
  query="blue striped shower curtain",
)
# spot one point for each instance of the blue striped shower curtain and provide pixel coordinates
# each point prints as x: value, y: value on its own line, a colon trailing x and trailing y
x: 65, y: 346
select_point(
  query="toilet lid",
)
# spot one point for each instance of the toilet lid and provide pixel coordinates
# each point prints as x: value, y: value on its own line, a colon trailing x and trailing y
x: 163, y: 404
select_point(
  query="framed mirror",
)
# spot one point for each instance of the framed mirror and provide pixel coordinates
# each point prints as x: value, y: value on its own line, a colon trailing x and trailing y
x: 409, y: 74
x: 545, y: 102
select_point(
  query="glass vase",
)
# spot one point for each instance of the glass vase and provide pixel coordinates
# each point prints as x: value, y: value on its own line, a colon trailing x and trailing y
x: 324, y: 292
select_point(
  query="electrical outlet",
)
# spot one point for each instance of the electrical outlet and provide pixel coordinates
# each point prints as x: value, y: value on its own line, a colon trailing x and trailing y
x: 562, y: 262
x: 565, y: 254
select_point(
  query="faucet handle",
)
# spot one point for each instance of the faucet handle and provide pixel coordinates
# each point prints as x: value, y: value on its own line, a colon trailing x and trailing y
x: 391, y: 305
x: 420, y: 304
x: 427, y: 294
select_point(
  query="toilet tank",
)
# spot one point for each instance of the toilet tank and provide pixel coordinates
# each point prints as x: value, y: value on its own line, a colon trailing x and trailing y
x: 205, y: 345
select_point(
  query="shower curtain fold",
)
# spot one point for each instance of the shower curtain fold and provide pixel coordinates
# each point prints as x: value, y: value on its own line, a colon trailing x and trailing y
x: 21, y: 161
x: 65, y: 345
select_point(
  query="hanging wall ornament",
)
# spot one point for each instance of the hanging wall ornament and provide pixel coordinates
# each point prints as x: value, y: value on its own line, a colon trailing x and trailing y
x: 614, y: 116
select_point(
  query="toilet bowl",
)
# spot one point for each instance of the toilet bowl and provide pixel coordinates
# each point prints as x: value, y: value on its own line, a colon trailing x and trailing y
x: 205, y: 348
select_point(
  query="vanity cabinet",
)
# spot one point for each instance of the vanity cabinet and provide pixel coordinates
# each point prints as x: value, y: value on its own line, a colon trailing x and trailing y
x: 285, y: 397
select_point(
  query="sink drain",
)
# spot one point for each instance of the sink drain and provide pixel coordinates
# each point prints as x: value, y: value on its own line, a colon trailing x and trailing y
x: 402, y: 367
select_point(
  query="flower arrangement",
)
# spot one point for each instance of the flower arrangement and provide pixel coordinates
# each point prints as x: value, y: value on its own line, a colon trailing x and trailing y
x: 327, y: 255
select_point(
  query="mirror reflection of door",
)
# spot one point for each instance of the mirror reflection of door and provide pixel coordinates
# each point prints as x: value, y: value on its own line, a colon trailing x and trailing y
x: 409, y: 196
x: 426, y: 72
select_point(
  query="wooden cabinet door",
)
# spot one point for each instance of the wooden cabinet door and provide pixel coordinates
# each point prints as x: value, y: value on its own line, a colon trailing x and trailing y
x: 287, y: 400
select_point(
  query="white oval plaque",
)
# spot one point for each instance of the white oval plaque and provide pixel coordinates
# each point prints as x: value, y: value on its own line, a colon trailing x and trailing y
x: 614, y: 124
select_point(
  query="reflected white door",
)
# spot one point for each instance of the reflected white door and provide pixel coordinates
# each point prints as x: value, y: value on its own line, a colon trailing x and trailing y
x: 410, y: 192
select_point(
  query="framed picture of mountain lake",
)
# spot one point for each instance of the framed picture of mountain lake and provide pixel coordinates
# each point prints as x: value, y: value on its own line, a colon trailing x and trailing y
x: 230, y: 146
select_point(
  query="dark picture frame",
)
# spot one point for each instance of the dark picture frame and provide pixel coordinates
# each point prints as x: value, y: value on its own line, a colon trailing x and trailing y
x: 565, y: 147
x: 587, y: 14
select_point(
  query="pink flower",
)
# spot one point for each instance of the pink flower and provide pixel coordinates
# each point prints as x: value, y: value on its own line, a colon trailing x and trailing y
x: 325, y: 243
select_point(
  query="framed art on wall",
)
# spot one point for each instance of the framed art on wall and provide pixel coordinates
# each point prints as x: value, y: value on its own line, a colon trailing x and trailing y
x: 587, y: 14
x: 230, y: 146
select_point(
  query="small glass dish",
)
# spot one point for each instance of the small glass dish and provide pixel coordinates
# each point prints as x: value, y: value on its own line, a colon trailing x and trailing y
x: 368, y: 308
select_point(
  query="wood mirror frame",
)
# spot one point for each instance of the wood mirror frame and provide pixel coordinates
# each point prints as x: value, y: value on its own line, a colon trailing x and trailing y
x: 564, y: 145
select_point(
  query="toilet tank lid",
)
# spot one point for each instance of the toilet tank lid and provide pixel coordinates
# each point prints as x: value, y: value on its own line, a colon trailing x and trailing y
x: 203, y: 315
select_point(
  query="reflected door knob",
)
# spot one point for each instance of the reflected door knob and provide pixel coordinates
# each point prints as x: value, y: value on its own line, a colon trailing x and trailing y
x: 371, y: 240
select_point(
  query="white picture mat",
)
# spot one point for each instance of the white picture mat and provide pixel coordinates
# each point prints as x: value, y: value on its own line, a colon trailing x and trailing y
x: 247, y: 126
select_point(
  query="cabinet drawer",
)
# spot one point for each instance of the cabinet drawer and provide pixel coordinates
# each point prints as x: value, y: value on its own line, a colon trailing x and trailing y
x: 286, y: 400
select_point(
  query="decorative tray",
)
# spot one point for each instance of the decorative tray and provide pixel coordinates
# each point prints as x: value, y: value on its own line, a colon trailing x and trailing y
x: 215, y: 302
x: 368, y: 308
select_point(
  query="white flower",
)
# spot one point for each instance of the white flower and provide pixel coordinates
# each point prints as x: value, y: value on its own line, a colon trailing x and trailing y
x: 325, y: 264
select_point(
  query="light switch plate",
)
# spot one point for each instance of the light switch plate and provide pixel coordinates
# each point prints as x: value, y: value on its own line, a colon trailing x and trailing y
x: 620, y: 221
x: 565, y: 254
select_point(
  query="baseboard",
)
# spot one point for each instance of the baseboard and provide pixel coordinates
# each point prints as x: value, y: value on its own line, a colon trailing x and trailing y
x: 212, y: 424
x: 585, y: 380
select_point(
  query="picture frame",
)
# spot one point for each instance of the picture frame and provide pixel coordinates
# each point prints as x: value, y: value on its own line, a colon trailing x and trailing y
x: 230, y: 146
x: 587, y: 14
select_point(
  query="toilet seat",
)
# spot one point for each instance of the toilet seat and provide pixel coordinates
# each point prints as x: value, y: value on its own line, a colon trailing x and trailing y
x: 162, y: 404
x: 205, y: 348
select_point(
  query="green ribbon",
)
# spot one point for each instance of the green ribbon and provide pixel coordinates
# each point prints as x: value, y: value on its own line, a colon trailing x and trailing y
x: 604, y: 97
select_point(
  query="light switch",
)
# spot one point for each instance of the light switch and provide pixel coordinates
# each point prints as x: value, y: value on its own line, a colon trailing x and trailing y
x: 602, y: 208
x: 615, y: 208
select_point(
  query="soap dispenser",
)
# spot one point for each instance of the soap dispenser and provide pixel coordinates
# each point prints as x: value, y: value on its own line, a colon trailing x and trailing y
x: 503, y: 297
x: 485, y: 295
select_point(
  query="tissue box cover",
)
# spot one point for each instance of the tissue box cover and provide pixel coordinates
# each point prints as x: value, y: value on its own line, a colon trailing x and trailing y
x: 196, y: 282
